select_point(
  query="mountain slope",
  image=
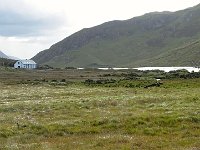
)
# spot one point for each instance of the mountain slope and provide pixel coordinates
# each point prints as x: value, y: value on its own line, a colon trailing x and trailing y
x: 148, y: 40
x: 2, y: 55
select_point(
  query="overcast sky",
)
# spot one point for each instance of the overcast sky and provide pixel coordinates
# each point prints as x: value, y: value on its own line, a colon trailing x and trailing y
x: 30, y: 26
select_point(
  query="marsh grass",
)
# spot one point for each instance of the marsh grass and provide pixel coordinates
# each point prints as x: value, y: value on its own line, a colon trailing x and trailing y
x: 53, y: 115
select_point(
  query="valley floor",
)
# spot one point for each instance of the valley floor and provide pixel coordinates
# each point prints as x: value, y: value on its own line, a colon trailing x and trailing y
x: 76, y: 116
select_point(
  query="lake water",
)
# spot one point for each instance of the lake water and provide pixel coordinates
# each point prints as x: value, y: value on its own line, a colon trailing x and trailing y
x: 166, y: 69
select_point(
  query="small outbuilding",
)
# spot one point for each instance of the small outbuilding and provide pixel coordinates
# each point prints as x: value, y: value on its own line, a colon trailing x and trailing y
x: 27, y: 64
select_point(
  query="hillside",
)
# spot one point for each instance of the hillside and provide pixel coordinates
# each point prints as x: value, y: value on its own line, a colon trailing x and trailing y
x: 6, y: 62
x: 154, y: 39
x: 2, y: 55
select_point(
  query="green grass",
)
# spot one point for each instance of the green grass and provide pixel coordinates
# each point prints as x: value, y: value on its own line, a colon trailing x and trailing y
x: 77, y: 116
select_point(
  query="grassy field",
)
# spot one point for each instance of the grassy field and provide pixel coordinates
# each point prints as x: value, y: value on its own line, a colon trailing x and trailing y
x: 42, y: 115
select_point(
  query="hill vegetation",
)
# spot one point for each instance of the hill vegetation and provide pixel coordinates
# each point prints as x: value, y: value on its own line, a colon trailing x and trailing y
x: 6, y: 62
x: 154, y: 39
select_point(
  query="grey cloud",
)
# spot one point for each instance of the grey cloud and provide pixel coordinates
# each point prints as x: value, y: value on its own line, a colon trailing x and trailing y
x: 14, y: 22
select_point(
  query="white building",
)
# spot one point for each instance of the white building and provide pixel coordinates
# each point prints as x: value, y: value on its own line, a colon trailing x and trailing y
x: 29, y: 64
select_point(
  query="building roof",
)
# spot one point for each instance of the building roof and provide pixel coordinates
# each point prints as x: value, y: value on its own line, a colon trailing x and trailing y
x: 26, y: 61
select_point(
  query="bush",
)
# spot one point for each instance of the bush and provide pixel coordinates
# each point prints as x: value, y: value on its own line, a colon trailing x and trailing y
x: 63, y: 80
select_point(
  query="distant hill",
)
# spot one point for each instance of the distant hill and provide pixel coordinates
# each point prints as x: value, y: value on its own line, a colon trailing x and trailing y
x: 2, y: 55
x: 154, y: 39
x: 6, y: 61
x: 13, y: 58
